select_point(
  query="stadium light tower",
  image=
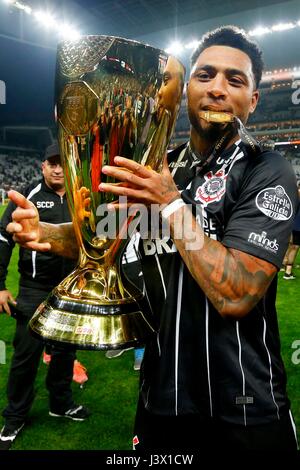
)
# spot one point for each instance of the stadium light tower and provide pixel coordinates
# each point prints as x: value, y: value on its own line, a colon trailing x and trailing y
x: 47, y: 20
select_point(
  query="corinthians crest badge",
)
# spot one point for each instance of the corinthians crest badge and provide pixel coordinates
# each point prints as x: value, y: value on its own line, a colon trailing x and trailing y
x: 213, y: 187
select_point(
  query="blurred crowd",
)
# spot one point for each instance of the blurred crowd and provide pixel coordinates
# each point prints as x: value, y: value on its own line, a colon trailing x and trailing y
x: 18, y: 171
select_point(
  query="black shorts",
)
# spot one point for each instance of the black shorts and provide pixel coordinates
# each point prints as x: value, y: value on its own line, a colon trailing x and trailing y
x: 296, y: 237
x: 191, y: 432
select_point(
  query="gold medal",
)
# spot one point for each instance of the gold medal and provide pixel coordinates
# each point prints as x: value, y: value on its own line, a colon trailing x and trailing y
x: 214, y: 116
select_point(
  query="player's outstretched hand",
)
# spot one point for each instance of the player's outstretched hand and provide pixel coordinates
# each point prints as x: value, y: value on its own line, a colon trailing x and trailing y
x: 25, y: 225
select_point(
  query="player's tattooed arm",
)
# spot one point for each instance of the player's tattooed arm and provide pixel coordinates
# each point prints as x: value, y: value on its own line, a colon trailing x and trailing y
x: 233, y: 281
x: 61, y: 238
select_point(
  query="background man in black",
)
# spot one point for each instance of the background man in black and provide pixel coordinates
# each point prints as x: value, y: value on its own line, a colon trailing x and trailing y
x: 39, y: 273
x: 213, y: 377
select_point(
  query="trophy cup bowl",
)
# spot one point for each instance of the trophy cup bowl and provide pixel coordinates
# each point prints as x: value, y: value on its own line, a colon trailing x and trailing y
x: 114, y: 96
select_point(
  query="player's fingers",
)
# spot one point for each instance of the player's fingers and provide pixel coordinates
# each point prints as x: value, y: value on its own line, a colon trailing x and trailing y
x: 118, y: 190
x: 127, y: 177
x: 14, y: 227
x: 21, y: 214
x: 135, y: 206
x: 11, y: 298
x: 133, y: 166
x: 6, y: 308
x: 19, y: 199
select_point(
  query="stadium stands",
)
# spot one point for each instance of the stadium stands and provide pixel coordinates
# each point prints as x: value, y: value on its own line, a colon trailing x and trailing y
x: 21, y: 150
x: 18, y: 171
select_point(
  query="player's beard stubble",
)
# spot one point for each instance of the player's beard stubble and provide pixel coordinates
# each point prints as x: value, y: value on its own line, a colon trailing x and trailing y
x: 210, y: 132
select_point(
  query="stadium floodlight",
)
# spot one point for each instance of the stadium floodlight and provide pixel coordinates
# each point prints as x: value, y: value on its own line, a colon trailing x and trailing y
x: 19, y: 5
x: 192, y: 45
x: 175, y: 48
x: 68, y: 32
x: 23, y: 7
x: 260, y: 31
x: 283, y: 26
x: 45, y: 18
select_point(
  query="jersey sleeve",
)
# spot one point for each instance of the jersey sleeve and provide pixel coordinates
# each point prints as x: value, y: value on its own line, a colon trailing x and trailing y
x: 261, y: 221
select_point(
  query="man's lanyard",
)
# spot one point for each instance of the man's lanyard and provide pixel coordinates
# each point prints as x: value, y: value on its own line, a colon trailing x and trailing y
x: 235, y: 127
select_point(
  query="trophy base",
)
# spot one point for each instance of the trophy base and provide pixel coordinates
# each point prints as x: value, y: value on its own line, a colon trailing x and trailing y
x: 91, y: 326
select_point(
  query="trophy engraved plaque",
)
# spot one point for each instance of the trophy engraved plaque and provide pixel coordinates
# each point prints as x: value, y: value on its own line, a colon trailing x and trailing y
x: 113, y: 97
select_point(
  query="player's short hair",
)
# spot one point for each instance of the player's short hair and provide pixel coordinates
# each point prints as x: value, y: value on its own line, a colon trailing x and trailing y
x: 233, y: 36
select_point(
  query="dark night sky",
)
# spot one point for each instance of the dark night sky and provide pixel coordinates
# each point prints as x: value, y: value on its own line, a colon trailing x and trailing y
x: 28, y: 70
x: 29, y: 76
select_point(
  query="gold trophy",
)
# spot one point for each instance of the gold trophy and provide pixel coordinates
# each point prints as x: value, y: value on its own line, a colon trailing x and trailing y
x: 114, y: 97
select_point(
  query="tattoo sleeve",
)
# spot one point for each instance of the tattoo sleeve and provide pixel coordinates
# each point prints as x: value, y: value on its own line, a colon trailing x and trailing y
x: 233, y: 281
x: 62, y: 239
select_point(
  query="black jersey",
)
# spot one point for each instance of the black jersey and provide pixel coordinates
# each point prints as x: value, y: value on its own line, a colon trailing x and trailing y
x: 200, y: 362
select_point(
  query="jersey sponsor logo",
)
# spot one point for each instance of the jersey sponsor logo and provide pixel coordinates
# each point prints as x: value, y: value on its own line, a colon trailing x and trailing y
x: 158, y: 246
x: 213, y: 187
x: 44, y: 204
x: 274, y: 203
x: 260, y: 239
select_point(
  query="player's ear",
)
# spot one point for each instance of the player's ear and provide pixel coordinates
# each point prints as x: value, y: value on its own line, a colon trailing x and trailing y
x: 254, y: 101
